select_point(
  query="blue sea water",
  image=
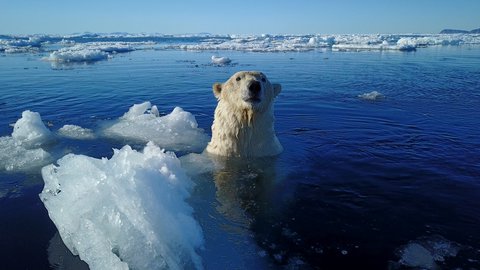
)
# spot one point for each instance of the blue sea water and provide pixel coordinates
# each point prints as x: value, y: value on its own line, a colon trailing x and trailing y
x: 358, y: 182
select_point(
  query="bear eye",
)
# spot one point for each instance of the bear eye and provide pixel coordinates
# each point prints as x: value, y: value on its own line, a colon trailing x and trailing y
x: 263, y: 79
x: 238, y: 79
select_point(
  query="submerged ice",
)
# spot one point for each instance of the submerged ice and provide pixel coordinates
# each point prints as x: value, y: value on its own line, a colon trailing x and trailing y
x: 126, y: 212
x: 374, y: 95
x: 427, y: 252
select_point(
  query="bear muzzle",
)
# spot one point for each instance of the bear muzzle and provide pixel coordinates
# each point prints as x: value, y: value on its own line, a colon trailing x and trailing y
x: 254, y: 92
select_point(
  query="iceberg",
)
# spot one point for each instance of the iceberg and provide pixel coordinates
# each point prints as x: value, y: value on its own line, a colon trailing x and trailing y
x: 176, y: 131
x: 126, y: 212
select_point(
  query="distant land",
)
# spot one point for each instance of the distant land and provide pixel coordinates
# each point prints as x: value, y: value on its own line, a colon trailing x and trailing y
x: 456, y: 31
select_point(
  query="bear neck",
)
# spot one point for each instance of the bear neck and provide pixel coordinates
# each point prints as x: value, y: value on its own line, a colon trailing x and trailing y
x: 243, y: 132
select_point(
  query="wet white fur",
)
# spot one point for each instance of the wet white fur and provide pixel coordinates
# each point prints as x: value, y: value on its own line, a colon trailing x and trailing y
x: 242, y: 128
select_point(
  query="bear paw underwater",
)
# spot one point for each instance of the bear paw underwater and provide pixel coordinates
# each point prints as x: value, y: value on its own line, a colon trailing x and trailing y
x: 244, y: 118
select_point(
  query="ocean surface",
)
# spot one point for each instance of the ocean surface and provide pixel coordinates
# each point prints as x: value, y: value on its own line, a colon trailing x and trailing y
x: 381, y: 167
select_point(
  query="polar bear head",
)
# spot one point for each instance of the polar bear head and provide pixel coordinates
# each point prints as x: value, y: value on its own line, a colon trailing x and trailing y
x: 243, y: 125
x: 247, y: 90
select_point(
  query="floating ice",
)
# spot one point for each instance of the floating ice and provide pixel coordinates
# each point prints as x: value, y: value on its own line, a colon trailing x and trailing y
x: 220, y: 60
x: 176, y: 131
x: 76, y: 132
x: 22, y: 151
x: 406, y: 44
x: 374, y: 95
x: 22, y: 44
x: 89, y: 52
x: 14, y: 157
x: 127, y: 212
x: 257, y: 43
x: 77, y: 54
x: 30, y: 131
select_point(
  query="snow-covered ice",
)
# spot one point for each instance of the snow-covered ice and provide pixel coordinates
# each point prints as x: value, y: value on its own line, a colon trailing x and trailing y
x: 126, y: 212
x: 176, y: 131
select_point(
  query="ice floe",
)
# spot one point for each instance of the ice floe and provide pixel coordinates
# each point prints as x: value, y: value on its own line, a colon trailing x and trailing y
x: 126, y: 212
x: 88, y: 52
x: 176, y: 131
x: 22, y: 151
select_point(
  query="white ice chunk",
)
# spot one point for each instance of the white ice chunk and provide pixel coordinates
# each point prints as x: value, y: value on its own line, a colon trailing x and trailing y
x: 77, y: 53
x: 14, y: 157
x: 406, y: 44
x: 374, y: 95
x: 76, y: 132
x: 30, y: 131
x: 175, y: 131
x: 127, y: 212
x: 88, y: 52
x: 22, y: 151
x: 217, y: 60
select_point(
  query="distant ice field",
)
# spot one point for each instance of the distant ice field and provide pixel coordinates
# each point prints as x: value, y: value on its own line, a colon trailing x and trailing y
x: 102, y: 168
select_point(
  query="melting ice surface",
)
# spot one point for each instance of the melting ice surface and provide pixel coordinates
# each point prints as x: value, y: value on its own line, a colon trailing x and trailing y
x: 126, y: 212
x: 23, y: 150
x: 175, y: 131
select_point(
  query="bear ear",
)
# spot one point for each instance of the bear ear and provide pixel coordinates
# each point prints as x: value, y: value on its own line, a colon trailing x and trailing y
x: 277, y: 88
x: 217, y: 89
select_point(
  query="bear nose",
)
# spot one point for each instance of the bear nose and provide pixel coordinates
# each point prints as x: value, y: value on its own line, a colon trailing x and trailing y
x: 255, y: 87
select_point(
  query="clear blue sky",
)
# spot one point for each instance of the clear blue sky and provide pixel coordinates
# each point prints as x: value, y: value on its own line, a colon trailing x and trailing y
x: 237, y: 17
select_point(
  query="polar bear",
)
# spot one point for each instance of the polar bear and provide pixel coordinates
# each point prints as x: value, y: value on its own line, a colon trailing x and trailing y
x: 244, y: 122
